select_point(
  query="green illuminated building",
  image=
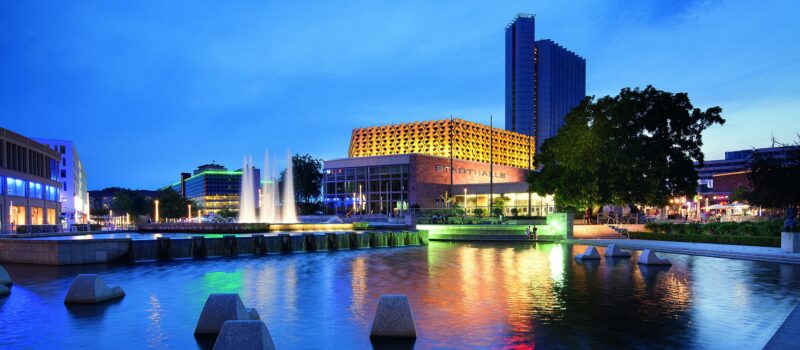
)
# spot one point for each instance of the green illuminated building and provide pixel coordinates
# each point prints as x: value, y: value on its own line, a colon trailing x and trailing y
x: 213, y: 187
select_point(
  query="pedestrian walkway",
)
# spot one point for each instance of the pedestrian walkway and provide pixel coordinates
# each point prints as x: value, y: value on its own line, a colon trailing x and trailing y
x: 705, y: 249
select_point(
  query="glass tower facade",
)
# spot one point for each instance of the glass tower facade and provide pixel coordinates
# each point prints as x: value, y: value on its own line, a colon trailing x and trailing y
x: 544, y: 81
x: 215, y: 188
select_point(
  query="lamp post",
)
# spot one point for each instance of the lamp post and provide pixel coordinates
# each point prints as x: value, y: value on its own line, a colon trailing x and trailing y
x: 465, y: 201
x: 360, y: 202
x: 156, y: 204
x: 190, y: 212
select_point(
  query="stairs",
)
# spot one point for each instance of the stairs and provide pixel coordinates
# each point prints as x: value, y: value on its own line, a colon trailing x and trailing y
x: 598, y: 232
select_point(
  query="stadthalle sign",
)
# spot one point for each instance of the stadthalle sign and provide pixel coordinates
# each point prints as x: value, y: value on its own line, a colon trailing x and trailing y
x: 468, y: 171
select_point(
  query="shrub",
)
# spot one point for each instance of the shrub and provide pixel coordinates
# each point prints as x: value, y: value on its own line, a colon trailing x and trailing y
x: 360, y: 226
x: 749, y: 229
x: 729, y: 239
x: 478, y: 212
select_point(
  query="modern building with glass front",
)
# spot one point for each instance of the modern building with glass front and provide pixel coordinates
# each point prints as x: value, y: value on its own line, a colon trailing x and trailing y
x: 213, y: 187
x: 29, y: 182
x: 544, y: 81
x: 74, y: 191
x: 436, y: 164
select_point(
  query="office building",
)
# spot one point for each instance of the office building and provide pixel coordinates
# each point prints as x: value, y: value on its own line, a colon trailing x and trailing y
x: 75, y: 202
x: 734, y: 162
x: 29, y: 182
x: 544, y: 81
x: 213, y: 187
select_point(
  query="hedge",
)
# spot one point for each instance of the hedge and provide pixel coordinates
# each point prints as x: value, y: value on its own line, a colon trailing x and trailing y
x: 360, y: 226
x: 736, y: 240
x: 753, y: 229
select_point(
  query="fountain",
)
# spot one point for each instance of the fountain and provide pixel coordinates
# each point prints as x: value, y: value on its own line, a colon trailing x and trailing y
x: 274, y: 205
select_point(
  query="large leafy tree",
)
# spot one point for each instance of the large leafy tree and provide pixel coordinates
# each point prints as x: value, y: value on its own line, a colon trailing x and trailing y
x: 129, y: 201
x: 307, y: 182
x: 638, y: 147
x: 775, y: 183
x: 172, y: 205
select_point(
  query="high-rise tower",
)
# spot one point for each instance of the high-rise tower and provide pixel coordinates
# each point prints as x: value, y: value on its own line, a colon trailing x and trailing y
x: 544, y: 81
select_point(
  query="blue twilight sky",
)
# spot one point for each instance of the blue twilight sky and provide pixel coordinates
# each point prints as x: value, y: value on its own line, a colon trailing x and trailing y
x: 148, y: 89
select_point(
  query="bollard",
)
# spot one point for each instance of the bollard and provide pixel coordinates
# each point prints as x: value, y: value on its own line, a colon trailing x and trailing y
x: 244, y: 335
x: 648, y: 257
x: 220, y: 308
x: 613, y: 252
x: 590, y: 253
x: 5, y: 279
x: 393, y: 318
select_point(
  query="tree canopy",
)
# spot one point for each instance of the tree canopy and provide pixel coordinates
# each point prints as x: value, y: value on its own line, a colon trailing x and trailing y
x: 774, y: 182
x: 172, y: 205
x: 129, y: 201
x: 638, y: 147
x: 307, y: 182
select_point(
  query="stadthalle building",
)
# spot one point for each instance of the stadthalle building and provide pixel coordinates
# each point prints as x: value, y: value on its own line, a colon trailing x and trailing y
x: 427, y: 164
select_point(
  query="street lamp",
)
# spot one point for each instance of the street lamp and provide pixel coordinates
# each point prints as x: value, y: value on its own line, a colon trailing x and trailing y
x: 156, y: 204
x: 190, y: 212
x: 360, y: 202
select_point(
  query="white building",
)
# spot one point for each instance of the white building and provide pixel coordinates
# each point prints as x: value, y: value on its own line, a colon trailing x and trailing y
x: 74, y: 192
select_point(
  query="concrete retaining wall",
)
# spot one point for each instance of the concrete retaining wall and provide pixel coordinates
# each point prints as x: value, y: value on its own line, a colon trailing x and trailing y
x: 97, y: 251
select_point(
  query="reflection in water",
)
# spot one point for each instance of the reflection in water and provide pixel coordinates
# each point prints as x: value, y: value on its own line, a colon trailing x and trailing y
x: 518, y: 296
x: 358, y: 285
x: 155, y: 335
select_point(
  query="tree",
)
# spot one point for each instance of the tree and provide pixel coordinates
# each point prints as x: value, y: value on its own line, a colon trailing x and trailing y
x: 227, y: 213
x: 638, y: 147
x: 307, y: 182
x: 775, y: 183
x: 171, y: 204
x: 130, y: 202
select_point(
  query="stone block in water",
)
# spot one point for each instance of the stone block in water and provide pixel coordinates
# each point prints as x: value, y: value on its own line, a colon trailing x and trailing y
x: 5, y: 279
x: 590, y: 253
x: 613, y: 251
x: 220, y: 308
x: 91, y: 289
x: 4, y: 290
x: 648, y: 257
x: 244, y: 335
x: 393, y: 318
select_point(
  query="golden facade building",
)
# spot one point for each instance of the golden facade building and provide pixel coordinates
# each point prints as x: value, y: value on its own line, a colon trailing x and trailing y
x: 466, y: 140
